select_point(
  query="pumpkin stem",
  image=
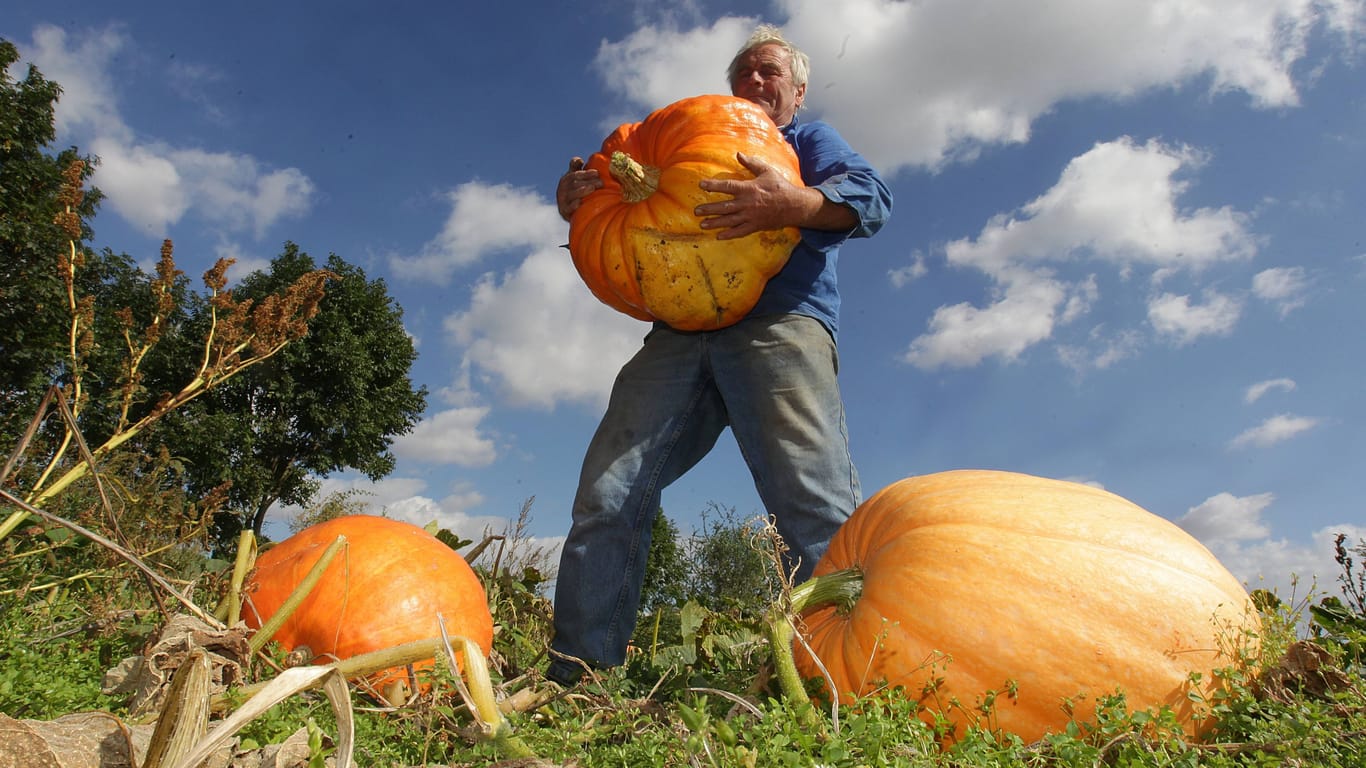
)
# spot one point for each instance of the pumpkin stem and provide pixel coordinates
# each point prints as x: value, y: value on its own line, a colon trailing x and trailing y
x: 842, y: 589
x: 485, y: 706
x: 230, y: 610
x: 637, y: 181
x: 291, y: 603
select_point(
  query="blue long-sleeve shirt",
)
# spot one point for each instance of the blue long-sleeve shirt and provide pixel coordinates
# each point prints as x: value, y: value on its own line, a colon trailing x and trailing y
x: 807, y: 284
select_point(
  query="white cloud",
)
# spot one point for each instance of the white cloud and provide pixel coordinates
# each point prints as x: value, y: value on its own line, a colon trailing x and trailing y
x: 407, y: 499
x: 89, y: 94
x: 900, y: 277
x: 154, y: 187
x: 655, y: 66
x: 1233, y: 528
x: 963, y: 335
x: 150, y: 184
x: 537, y: 336
x: 484, y: 219
x: 142, y: 186
x: 920, y: 84
x: 1224, y: 519
x: 452, y: 436
x: 1285, y: 287
x: 454, y: 513
x: 1101, y: 350
x: 534, y: 334
x: 1115, y: 205
x: 1256, y: 391
x: 1176, y: 318
x: 1274, y: 430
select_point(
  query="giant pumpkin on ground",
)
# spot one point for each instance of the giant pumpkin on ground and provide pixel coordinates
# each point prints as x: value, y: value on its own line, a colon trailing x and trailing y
x: 637, y: 243
x: 385, y: 587
x: 1058, y: 592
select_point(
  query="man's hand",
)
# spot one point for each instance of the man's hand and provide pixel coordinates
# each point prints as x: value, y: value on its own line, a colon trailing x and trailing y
x: 574, y: 186
x: 768, y: 201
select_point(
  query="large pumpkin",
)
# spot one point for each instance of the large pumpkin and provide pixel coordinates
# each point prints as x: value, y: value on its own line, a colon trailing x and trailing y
x: 385, y: 587
x: 1056, y: 592
x: 637, y: 243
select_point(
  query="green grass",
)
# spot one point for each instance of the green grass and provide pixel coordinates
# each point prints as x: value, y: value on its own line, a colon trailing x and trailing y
x: 696, y: 696
x: 53, y: 654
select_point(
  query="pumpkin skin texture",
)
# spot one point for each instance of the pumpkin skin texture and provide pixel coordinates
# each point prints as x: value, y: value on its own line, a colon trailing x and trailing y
x: 384, y: 588
x: 643, y: 252
x: 1070, y: 592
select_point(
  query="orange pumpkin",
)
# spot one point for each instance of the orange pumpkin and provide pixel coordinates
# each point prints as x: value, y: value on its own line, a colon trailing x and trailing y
x: 385, y: 587
x: 637, y: 243
x: 1057, y: 591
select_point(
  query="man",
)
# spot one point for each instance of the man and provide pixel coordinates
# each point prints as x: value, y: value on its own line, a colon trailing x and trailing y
x: 770, y: 377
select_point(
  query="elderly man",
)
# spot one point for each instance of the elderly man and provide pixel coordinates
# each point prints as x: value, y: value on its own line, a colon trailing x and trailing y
x: 770, y: 377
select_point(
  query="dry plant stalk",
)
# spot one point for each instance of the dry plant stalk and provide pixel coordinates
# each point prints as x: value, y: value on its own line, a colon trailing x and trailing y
x: 287, y: 684
x: 185, y: 717
x: 241, y: 334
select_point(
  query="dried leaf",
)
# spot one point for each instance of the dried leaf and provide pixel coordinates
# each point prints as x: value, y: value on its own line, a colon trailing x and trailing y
x: 81, y: 740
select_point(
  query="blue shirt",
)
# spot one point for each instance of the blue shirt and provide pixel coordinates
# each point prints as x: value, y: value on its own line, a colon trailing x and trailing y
x: 807, y: 284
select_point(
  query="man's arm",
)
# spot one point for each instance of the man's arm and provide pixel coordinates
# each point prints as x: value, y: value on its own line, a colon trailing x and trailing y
x: 769, y: 201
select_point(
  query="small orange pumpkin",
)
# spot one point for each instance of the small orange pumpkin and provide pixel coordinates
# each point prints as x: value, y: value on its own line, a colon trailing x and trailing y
x: 637, y: 243
x: 977, y: 581
x: 384, y: 588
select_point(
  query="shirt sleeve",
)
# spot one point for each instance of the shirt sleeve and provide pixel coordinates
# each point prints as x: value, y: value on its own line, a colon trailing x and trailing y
x: 830, y: 165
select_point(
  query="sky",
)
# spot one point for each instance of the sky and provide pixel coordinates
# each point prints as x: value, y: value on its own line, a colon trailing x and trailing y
x: 1126, y: 249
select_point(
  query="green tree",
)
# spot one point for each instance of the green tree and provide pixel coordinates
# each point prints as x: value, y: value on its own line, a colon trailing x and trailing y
x: 333, y: 400
x: 33, y: 237
x: 124, y: 348
x: 665, y: 567
x: 729, y: 568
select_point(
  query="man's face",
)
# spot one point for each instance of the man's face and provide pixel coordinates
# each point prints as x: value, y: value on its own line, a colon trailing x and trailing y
x: 765, y: 78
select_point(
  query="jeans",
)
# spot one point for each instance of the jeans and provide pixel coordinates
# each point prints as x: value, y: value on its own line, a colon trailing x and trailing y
x: 772, y: 380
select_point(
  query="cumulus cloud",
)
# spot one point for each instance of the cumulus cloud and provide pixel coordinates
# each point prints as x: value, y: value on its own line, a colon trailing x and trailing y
x: 1284, y: 287
x: 452, y: 436
x: 920, y: 85
x: 942, y: 84
x: 1234, y: 528
x: 962, y: 335
x: 89, y: 94
x: 455, y: 513
x: 408, y: 499
x: 1116, y: 203
x: 151, y: 184
x: 458, y: 511
x: 537, y: 336
x: 484, y: 219
x: 1276, y: 429
x: 1224, y: 519
x: 1115, y: 206
x: 533, y: 333
x: 141, y: 185
x: 1177, y: 318
x: 657, y: 65
x: 1261, y: 388
x: 902, y: 276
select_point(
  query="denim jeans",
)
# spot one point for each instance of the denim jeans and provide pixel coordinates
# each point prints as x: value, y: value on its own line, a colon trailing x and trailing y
x: 772, y: 380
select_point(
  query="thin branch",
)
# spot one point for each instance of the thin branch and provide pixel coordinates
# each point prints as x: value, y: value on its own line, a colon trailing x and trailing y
x: 129, y: 557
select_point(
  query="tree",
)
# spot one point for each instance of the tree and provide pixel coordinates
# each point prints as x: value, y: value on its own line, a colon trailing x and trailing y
x: 728, y: 568
x: 118, y: 345
x: 331, y: 401
x: 665, y: 567
x: 33, y: 238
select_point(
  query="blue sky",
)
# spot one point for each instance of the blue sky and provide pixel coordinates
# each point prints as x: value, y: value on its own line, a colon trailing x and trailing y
x: 1127, y: 247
